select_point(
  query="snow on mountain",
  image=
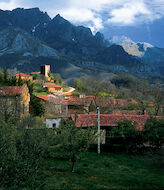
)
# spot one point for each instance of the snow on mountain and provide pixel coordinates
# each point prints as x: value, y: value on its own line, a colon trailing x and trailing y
x: 131, y: 47
x: 152, y: 57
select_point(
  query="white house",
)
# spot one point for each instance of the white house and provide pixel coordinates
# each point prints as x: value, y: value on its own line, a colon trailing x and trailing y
x: 54, y: 122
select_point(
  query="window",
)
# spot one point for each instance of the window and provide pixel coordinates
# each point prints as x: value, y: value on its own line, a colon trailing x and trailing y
x: 54, y: 125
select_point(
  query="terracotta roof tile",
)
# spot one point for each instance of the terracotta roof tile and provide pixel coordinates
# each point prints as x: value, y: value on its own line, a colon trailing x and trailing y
x: 76, y: 93
x: 58, y: 117
x: 151, y: 105
x: 127, y: 112
x: 85, y: 120
x: 105, y: 102
x: 33, y: 73
x: 12, y: 90
x: 68, y: 94
x: 23, y: 75
x: 52, y: 99
x: 74, y: 100
x: 134, y: 102
x: 43, y: 97
x: 51, y: 85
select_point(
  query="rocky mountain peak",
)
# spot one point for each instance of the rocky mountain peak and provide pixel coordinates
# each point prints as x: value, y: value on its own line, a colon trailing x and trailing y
x: 75, y: 41
x: 58, y: 18
x: 16, y: 41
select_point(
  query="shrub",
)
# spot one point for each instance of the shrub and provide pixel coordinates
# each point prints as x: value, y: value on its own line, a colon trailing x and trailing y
x: 37, y: 108
x: 73, y: 140
x: 21, y: 154
x: 127, y: 134
x: 154, y: 132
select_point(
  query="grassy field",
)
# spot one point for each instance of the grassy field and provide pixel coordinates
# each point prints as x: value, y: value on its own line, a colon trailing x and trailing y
x: 105, y: 171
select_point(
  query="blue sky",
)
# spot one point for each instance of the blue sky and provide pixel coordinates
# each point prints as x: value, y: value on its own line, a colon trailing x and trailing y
x: 112, y: 17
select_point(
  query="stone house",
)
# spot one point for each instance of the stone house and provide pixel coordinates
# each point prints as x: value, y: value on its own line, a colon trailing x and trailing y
x: 53, y: 88
x: 77, y: 105
x: 53, y: 105
x: 14, y: 102
x: 24, y: 77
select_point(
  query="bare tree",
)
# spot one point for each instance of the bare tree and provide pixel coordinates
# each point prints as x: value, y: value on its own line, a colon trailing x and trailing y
x: 158, y: 98
x: 142, y: 93
x: 9, y: 109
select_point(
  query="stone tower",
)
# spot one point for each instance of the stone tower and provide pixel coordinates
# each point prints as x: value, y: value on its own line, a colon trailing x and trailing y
x: 45, y: 70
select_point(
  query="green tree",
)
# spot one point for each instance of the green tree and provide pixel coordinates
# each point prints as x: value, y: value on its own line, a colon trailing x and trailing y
x: 13, y: 81
x: 1, y: 77
x: 142, y: 93
x: 37, y: 108
x: 21, y: 153
x: 73, y: 140
x: 142, y: 105
x: 158, y: 99
x: 154, y: 132
x: 20, y: 81
x: 30, y: 86
x: 126, y: 130
x: 133, y: 106
x: 6, y: 76
x: 57, y: 78
x: 8, y: 152
x: 78, y: 84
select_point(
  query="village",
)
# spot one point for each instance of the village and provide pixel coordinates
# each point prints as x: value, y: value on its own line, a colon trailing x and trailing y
x: 82, y: 95
x: 49, y: 127
x: 60, y: 103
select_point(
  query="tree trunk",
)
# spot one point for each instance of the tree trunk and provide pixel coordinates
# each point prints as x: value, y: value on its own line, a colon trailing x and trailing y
x: 157, y: 110
x: 73, y: 163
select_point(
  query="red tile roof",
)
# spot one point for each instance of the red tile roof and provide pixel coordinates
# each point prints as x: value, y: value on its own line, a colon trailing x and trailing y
x: 58, y: 101
x: 106, y: 102
x: 76, y: 93
x: 43, y: 97
x: 74, y: 100
x: 52, y: 99
x: 58, y: 117
x: 68, y: 94
x: 33, y: 73
x: 127, y: 112
x: 51, y: 85
x: 23, y: 75
x: 12, y: 90
x: 151, y: 105
x: 106, y: 120
x: 134, y: 102
x: 90, y: 97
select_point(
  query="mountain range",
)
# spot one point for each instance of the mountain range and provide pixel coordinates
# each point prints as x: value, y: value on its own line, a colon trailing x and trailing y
x: 30, y: 37
x: 145, y: 52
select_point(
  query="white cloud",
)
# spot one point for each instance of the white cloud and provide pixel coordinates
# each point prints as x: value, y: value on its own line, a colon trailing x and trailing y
x: 129, y: 13
x: 95, y: 13
x: 82, y: 16
x: 117, y: 12
x: 9, y: 5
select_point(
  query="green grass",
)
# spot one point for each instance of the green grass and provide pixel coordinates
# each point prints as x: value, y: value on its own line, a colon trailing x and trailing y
x: 105, y: 94
x: 40, y: 93
x: 39, y: 90
x: 105, y: 171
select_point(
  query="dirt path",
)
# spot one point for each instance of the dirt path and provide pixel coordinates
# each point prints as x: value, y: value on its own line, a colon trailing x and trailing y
x: 71, y: 90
